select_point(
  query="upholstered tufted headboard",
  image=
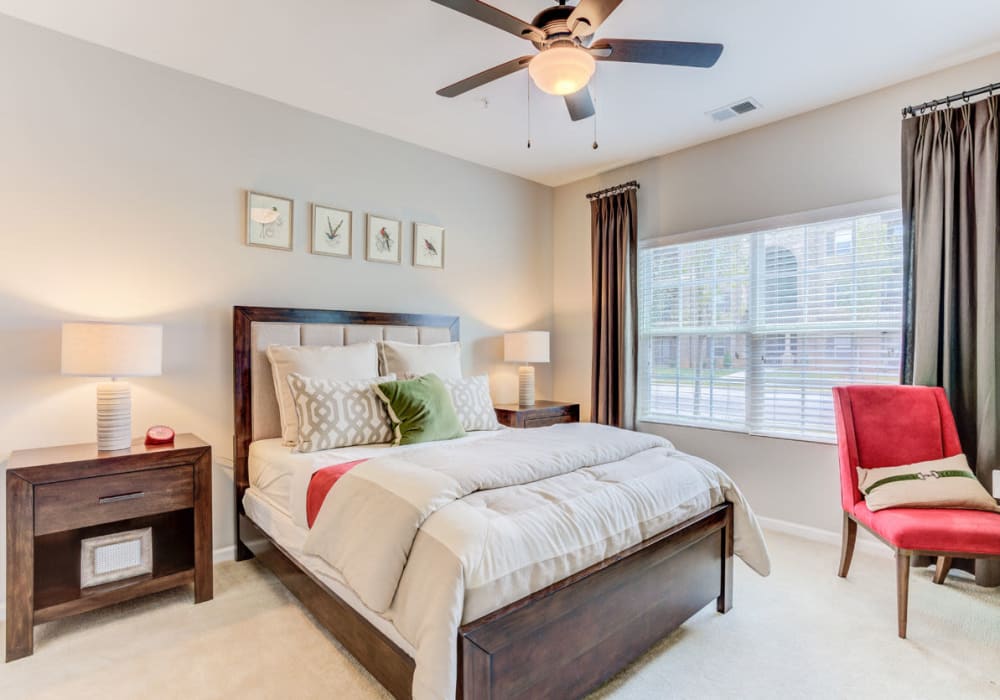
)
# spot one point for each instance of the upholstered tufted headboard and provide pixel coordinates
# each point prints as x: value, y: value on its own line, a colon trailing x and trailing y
x: 256, y: 327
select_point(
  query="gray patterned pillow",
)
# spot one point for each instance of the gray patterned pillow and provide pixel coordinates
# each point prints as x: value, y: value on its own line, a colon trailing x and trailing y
x: 338, y: 414
x: 471, y: 398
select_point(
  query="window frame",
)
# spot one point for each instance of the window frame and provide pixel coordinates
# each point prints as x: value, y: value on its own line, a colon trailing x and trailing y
x: 863, y: 208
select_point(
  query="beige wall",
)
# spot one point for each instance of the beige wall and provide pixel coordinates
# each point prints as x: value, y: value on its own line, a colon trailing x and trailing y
x: 121, y: 192
x: 845, y: 153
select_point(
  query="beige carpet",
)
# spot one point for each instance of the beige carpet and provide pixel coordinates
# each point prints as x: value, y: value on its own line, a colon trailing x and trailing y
x: 802, y: 633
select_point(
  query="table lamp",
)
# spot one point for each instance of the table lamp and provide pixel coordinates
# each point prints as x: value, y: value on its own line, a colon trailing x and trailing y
x: 112, y: 350
x: 526, y: 347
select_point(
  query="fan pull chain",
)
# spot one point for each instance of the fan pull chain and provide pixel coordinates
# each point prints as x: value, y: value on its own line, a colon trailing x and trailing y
x: 593, y: 97
x: 528, y: 83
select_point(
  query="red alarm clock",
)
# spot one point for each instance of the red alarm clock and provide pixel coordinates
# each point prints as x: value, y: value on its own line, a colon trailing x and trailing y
x: 159, y: 435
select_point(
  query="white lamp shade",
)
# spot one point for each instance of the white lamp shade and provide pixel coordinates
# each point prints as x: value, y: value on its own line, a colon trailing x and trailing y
x: 561, y: 70
x: 112, y: 349
x: 526, y: 346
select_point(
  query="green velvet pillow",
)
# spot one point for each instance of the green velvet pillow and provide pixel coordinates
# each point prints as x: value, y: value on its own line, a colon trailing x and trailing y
x: 420, y: 410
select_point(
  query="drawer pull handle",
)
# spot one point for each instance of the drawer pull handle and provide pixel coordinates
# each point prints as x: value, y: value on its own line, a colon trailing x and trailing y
x: 122, y: 497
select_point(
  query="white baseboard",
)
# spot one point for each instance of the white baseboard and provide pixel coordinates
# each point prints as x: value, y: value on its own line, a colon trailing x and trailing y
x: 224, y: 554
x: 865, y: 542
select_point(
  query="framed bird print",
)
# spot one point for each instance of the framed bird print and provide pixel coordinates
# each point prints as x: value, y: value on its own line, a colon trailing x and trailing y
x: 384, y: 240
x: 269, y: 221
x: 428, y: 246
x: 331, y: 231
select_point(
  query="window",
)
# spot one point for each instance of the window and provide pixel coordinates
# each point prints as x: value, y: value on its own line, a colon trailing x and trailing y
x: 750, y: 332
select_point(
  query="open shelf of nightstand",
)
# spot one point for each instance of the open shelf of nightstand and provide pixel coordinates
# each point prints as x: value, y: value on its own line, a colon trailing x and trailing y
x: 57, y: 574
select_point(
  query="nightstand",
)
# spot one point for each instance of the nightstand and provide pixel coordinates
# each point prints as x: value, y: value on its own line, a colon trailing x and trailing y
x: 539, y: 415
x: 60, y: 496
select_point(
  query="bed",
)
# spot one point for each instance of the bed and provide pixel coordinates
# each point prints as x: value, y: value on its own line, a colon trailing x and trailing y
x: 560, y: 639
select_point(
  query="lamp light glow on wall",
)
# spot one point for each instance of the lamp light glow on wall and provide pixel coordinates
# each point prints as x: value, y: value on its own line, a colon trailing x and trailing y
x: 562, y: 70
x: 112, y: 350
x: 526, y: 347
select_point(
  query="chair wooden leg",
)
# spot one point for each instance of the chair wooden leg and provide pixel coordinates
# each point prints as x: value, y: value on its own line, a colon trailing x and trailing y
x: 902, y: 590
x: 848, y: 538
x: 943, y: 567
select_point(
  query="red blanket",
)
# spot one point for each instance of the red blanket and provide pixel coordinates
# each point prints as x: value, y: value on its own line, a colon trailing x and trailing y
x: 321, y: 483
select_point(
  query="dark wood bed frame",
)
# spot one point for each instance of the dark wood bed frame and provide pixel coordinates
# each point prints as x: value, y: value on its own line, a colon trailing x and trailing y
x: 561, y: 641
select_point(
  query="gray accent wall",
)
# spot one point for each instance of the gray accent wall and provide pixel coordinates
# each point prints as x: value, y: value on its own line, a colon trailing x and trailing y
x: 122, y: 198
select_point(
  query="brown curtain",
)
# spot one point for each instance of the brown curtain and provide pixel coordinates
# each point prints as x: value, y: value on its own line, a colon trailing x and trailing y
x: 951, y: 201
x: 614, y: 239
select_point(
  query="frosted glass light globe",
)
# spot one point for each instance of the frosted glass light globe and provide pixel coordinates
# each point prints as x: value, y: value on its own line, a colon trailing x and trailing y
x: 561, y: 70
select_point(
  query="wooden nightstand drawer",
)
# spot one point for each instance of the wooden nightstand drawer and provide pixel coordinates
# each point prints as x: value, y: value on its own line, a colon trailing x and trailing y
x: 543, y: 421
x: 67, y: 505
x: 539, y: 415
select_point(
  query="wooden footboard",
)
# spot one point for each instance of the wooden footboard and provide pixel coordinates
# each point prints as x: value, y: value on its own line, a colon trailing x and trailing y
x: 560, y: 642
x: 576, y: 634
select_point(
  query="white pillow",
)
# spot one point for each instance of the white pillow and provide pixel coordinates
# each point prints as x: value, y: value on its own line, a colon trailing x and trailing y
x: 338, y: 414
x: 407, y: 361
x: 471, y: 398
x: 346, y: 363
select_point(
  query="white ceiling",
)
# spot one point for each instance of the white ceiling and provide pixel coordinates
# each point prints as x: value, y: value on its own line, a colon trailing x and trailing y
x: 377, y: 63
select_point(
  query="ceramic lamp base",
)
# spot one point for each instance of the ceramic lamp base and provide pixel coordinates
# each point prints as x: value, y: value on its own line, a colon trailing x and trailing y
x: 114, y: 416
x: 526, y: 386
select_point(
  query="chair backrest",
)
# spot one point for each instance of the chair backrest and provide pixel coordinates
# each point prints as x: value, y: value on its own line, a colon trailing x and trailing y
x: 888, y: 426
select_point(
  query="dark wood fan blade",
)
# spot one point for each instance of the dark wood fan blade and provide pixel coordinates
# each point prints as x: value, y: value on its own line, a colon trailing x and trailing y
x: 664, y: 53
x: 498, y: 18
x: 589, y: 15
x: 580, y: 104
x: 487, y: 76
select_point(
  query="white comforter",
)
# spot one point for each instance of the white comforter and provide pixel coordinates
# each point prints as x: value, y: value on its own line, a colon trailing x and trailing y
x: 443, y: 535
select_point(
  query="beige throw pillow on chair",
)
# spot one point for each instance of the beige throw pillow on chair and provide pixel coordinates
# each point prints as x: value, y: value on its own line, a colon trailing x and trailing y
x: 939, y: 483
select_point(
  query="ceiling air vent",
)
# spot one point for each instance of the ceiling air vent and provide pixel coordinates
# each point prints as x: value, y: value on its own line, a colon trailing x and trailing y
x: 735, y: 109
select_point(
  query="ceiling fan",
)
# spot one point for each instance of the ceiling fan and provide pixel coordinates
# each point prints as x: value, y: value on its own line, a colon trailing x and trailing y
x: 563, y: 35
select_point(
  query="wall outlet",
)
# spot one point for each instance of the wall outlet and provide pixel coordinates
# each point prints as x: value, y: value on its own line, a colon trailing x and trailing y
x: 996, y: 483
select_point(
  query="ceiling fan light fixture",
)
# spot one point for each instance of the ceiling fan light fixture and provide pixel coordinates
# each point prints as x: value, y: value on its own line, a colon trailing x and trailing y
x: 562, y: 70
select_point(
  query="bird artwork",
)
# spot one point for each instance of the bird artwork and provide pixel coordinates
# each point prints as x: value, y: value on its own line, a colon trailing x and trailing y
x: 428, y: 246
x: 333, y: 232
x: 268, y: 218
x: 383, y: 241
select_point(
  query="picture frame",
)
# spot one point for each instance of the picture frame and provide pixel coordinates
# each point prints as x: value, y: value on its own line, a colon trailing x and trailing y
x: 332, y: 231
x: 91, y: 576
x: 269, y: 221
x: 383, y: 240
x: 428, y: 246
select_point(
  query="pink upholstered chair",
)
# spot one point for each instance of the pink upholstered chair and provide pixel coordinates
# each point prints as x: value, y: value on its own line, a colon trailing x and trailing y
x: 887, y: 426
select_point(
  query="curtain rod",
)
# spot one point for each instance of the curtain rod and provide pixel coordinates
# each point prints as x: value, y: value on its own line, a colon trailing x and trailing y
x: 964, y: 96
x: 630, y: 185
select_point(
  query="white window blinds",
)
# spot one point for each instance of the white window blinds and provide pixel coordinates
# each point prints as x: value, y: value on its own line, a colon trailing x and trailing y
x: 750, y: 332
